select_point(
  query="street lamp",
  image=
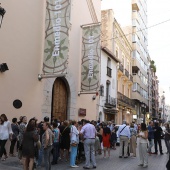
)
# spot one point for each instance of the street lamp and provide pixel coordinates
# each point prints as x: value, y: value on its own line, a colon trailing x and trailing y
x: 163, y: 107
x: 2, y: 12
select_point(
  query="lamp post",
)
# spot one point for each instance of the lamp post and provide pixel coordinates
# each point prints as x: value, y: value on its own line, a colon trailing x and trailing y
x: 2, y: 13
x: 163, y: 107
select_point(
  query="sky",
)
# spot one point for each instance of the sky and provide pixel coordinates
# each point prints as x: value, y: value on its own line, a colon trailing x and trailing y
x: 158, y: 36
x: 159, y: 42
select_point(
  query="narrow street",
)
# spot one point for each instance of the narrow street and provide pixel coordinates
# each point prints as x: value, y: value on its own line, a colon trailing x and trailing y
x: 156, y: 162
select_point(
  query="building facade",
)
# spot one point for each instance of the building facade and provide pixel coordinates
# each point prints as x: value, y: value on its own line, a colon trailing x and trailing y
x: 123, y: 50
x: 115, y: 40
x: 155, y: 96
x: 108, y: 88
x: 53, y: 56
x: 140, y: 62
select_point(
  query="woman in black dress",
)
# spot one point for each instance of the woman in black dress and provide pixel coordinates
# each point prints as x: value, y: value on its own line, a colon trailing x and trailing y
x: 65, y: 139
x: 28, y: 149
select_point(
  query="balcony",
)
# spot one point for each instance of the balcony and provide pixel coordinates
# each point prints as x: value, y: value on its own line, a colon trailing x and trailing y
x: 121, y: 67
x: 110, y: 102
x: 122, y: 98
x: 126, y: 73
x: 109, y: 72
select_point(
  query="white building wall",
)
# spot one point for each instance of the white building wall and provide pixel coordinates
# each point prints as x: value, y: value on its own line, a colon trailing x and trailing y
x: 104, y: 78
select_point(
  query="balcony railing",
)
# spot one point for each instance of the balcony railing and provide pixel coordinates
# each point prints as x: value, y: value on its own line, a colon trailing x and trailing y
x: 131, y: 78
x: 126, y: 73
x: 121, y: 67
x: 110, y: 102
x: 125, y: 99
x: 109, y: 72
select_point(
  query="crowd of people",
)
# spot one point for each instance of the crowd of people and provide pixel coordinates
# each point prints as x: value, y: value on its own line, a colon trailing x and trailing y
x: 77, y: 141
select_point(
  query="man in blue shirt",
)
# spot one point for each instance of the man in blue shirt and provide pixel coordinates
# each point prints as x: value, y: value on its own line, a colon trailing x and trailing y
x: 124, y: 135
x: 150, y: 136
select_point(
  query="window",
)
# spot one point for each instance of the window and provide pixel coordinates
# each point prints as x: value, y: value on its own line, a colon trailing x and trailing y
x: 107, y: 90
x: 109, y: 70
x: 123, y: 89
x: 128, y: 92
x: 117, y: 53
x: 128, y: 66
x: 123, y: 61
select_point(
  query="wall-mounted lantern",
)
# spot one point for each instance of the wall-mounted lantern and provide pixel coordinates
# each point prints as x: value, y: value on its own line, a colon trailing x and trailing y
x: 2, y: 13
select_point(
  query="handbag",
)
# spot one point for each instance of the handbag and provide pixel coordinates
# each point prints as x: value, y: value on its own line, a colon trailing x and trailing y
x: 73, y: 143
x: 38, y: 144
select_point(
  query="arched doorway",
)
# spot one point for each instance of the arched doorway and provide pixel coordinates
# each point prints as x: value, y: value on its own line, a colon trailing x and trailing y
x: 60, y: 99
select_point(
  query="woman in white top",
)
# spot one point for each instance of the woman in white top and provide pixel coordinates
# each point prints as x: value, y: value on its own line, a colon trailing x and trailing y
x: 143, y: 140
x: 74, y: 141
x: 5, y: 134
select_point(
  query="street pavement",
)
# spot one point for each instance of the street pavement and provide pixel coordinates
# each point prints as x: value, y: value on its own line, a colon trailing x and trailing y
x: 155, y: 162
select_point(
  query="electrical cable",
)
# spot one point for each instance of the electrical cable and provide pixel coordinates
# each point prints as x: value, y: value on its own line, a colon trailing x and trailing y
x: 138, y: 30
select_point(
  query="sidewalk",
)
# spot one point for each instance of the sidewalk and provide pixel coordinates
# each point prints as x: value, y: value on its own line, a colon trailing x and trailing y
x: 156, y: 162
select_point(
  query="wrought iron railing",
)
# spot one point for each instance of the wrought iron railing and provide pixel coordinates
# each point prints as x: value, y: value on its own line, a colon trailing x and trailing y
x: 125, y: 99
x: 111, y: 101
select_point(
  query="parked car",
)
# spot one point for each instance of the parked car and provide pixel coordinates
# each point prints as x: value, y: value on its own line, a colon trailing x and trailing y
x: 118, y: 139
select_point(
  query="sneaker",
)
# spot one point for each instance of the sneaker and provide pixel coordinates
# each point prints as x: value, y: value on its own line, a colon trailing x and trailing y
x: 145, y: 166
x: 74, y: 166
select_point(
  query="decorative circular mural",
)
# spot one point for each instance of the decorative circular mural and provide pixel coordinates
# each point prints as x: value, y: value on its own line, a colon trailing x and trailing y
x: 17, y: 104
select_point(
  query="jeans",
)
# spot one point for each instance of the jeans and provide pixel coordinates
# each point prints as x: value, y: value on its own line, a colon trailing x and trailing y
x: 2, y: 147
x: 89, y: 152
x: 40, y: 156
x: 13, y: 142
x: 151, y: 143
x: 167, y: 143
x: 47, y: 155
x: 55, y: 151
x: 73, y: 155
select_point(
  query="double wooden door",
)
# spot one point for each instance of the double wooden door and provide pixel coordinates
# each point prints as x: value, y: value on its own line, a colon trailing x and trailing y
x: 60, y: 100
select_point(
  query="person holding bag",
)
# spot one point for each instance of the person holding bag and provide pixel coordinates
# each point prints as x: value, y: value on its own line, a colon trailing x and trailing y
x: 74, y: 140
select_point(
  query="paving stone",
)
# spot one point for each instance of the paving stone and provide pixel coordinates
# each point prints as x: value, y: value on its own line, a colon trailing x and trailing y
x: 155, y: 162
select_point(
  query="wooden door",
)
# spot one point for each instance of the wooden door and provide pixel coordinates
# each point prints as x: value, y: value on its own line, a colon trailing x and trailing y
x: 60, y: 99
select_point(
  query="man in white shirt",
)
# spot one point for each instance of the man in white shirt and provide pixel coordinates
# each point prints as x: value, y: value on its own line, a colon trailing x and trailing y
x: 124, y: 135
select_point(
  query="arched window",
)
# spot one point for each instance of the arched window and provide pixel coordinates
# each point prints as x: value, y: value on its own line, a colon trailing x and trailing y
x: 107, y: 90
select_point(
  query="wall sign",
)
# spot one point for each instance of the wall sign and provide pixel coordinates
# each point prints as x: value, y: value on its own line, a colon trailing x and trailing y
x: 56, y: 36
x: 82, y: 112
x: 90, y: 66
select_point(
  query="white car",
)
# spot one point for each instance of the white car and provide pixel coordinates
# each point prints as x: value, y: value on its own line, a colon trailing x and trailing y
x: 163, y: 132
x: 118, y: 139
